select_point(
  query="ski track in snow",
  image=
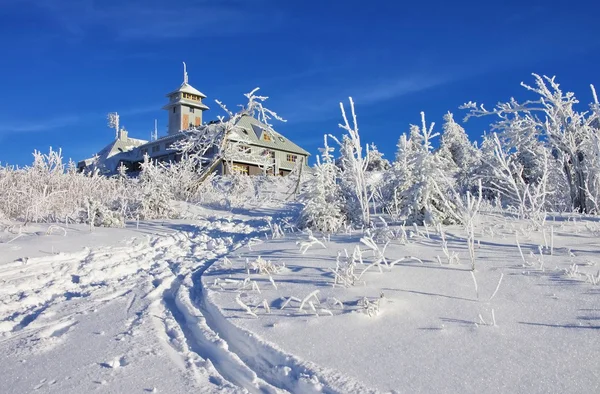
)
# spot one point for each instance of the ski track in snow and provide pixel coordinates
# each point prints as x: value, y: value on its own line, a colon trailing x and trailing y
x: 164, y: 273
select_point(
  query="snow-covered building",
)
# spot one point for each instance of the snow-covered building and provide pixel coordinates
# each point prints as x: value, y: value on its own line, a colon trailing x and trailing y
x: 253, y: 139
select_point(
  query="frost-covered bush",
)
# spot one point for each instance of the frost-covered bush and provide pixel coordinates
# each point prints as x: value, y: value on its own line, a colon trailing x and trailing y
x: 156, y: 193
x: 420, y: 185
x: 323, y: 203
x: 50, y: 191
x: 353, y: 164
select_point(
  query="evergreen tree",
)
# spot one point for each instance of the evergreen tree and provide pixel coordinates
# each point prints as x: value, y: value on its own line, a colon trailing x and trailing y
x: 323, y: 209
x: 456, y: 147
x: 375, y: 160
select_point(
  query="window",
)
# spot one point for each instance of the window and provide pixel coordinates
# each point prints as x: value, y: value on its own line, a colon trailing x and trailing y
x: 192, y: 110
x: 266, y: 136
x: 281, y: 139
x: 241, y: 169
x: 190, y: 96
x: 174, y: 109
x: 155, y: 148
x: 144, y: 151
x: 291, y: 158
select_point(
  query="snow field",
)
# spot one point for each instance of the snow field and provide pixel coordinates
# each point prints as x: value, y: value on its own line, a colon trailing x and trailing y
x: 45, y: 300
x: 515, y: 324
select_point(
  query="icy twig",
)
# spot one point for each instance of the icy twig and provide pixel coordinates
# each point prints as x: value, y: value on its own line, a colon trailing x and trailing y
x: 307, y: 299
x: 246, y: 308
x: 497, y: 287
x: 475, y: 282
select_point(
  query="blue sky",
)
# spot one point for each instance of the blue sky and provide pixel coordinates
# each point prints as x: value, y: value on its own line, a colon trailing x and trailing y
x: 65, y: 63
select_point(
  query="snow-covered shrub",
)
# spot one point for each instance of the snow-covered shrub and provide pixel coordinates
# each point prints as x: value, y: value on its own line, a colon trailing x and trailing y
x: 50, y: 191
x: 98, y: 214
x: 263, y: 267
x: 370, y: 307
x: 156, y: 195
x: 307, y: 244
x: 353, y: 183
x: 345, y: 274
x: 420, y: 184
x: 322, y: 199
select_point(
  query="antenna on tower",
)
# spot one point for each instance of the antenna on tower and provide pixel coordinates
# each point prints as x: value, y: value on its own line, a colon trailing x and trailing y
x: 154, y: 135
x: 185, y: 76
x: 113, y: 122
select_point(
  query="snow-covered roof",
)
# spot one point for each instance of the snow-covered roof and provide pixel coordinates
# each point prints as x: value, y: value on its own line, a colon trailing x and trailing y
x: 109, y: 156
x: 187, y: 88
x: 252, y: 130
x: 189, y: 103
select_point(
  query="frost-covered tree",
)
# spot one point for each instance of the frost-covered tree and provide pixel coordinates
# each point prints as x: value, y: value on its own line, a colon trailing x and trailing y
x: 566, y: 132
x: 323, y: 209
x: 353, y: 164
x: 375, y: 160
x: 420, y: 185
x: 592, y: 188
x: 430, y: 198
x: 505, y: 175
x: 156, y: 196
x: 399, y: 177
x: 456, y: 147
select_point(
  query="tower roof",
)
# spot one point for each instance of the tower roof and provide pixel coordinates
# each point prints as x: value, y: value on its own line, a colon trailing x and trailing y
x: 186, y: 87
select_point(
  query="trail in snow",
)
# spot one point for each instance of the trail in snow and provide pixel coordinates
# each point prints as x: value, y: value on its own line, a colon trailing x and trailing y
x: 158, y: 282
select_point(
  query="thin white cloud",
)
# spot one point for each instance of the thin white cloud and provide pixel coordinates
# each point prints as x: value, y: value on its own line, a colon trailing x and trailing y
x: 398, y: 87
x: 53, y: 123
x: 322, y: 103
x: 48, y: 124
x: 147, y: 19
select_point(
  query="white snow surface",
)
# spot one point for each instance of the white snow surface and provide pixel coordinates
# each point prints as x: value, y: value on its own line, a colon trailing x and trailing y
x: 186, y: 305
x: 435, y: 332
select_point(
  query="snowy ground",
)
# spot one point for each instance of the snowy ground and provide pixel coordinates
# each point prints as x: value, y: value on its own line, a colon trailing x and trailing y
x: 115, y: 315
x: 159, y: 308
x: 434, y: 331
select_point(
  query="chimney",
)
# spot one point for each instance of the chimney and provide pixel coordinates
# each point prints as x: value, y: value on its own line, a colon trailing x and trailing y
x: 123, y: 134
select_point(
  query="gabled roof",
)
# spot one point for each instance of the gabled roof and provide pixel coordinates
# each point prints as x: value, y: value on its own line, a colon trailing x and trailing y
x: 120, y: 146
x: 108, y: 158
x: 252, y: 130
x: 187, y: 88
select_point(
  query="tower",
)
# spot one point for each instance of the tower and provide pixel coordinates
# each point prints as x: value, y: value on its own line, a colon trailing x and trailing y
x: 185, y: 106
